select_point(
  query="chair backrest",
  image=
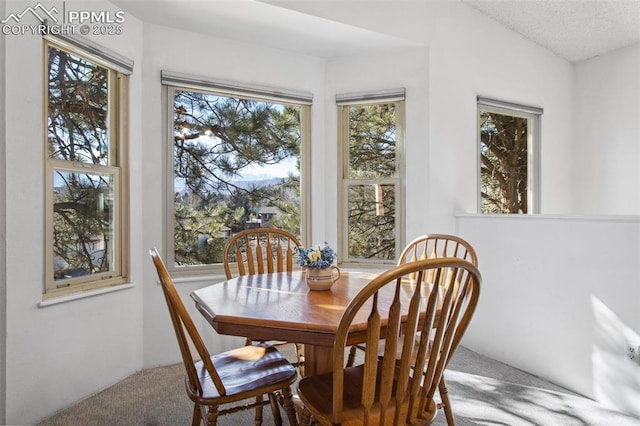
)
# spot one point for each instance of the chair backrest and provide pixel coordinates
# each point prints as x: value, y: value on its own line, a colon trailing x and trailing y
x: 389, y: 381
x: 438, y: 245
x: 434, y: 246
x: 185, y: 330
x: 260, y: 251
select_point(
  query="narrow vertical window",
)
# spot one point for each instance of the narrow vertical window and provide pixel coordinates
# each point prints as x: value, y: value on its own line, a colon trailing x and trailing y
x: 508, y: 151
x: 84, y: 172
x: 372, y: 200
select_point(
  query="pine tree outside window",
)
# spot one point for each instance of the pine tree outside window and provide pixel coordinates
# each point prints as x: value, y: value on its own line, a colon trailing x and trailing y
x: 372, y: 200
x: 237, y: 162
x: 508, y: 155
x: 86, y: 131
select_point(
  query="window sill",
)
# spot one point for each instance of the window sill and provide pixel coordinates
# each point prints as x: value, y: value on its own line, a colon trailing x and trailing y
x: 208, y: 278
x: 83, y: 295
x: 368, y: 267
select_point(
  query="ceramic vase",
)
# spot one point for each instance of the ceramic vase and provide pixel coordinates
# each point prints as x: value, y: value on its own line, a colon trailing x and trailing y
x: 321, y: 279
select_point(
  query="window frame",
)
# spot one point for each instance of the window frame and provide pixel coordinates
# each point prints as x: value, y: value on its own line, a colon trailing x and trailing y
x: 534, y: 115
x: 344, y: 102
x: 118, y: 131
x: 174, y: 82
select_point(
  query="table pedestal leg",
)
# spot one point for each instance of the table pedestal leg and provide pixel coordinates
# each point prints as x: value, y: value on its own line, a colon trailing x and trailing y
x: 317, y: 359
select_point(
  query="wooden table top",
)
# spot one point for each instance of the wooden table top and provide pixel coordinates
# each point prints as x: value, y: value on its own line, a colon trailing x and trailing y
x: 280, y: 306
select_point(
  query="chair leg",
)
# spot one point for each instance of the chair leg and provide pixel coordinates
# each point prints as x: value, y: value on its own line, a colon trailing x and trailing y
x: 352, y: 356
x: 212, y: 416
x: 300, y: 356
x: 275, y: 408
x: 444, y: 396
x: 197, y: 415
x: 258, y: 420
x: 287, y: 402
x: 306, y: 419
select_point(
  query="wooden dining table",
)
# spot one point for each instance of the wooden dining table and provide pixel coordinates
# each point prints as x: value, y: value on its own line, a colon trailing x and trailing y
x: 280, y: 306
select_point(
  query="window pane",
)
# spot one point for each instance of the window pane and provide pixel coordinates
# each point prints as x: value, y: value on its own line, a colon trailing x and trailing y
x: 77, y: 111
x: 83, y: 223
x: 371, y: 221
x: 504, y: 163
x: 372, y: 141
x: 236, y: 166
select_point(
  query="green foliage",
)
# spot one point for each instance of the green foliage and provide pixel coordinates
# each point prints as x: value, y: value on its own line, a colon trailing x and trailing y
x: 504, y: 163
x: 77, y: 132
x: 198, y: 233
x: 372, y: 222
x: 82, y: 224
x: 372, y: 155
x: 77, y: 109
x: 217, y: 140
x: 289, y: 206
x: 372, y: 141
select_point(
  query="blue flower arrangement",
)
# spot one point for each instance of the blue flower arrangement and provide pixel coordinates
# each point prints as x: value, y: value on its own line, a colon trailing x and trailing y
x: 316, y: 257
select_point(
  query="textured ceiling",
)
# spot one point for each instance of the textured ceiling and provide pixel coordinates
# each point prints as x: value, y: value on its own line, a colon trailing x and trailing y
x: 575, y: 30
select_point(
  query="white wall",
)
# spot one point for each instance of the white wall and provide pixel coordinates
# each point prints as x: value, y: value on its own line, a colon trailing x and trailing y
x: 560, y: 296
x: 606, y: 178
x: 61, y: 353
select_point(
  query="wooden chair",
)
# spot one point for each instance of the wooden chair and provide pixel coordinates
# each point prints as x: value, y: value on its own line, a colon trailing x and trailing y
x: 260, y: 251
x: 229, y: 377
x: 435, y: 246
x: 431, y: 247
x: 386, y: 389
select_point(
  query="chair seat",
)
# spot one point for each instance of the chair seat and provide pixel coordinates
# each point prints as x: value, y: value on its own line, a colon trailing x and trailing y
x: 317, y: 392
x: 243, y: 371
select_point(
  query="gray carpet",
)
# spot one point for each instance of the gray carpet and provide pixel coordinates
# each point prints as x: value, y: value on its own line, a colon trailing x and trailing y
x: 482, y: 392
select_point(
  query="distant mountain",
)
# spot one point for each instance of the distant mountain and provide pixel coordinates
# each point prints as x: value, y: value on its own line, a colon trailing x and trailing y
x: 252, y: 181
x: 245, y: 182
x: 261, y: 176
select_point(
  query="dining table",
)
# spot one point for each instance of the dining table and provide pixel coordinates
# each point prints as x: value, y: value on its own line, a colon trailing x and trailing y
x: 281, y: 307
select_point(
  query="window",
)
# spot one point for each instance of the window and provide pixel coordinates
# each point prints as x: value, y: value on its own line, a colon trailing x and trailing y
x: 371, y: 140
x: 508, y: 141
x: 237, y: 162
x: 86, y: 121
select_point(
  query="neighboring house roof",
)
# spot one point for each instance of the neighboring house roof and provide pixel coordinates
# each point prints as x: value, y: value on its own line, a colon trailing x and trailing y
x: 268, y: 210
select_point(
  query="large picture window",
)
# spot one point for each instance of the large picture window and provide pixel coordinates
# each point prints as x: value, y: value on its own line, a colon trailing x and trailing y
x: 237, y: 163
x: 371, y: 140
x: 85, y: 155
x: 508, y: 140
